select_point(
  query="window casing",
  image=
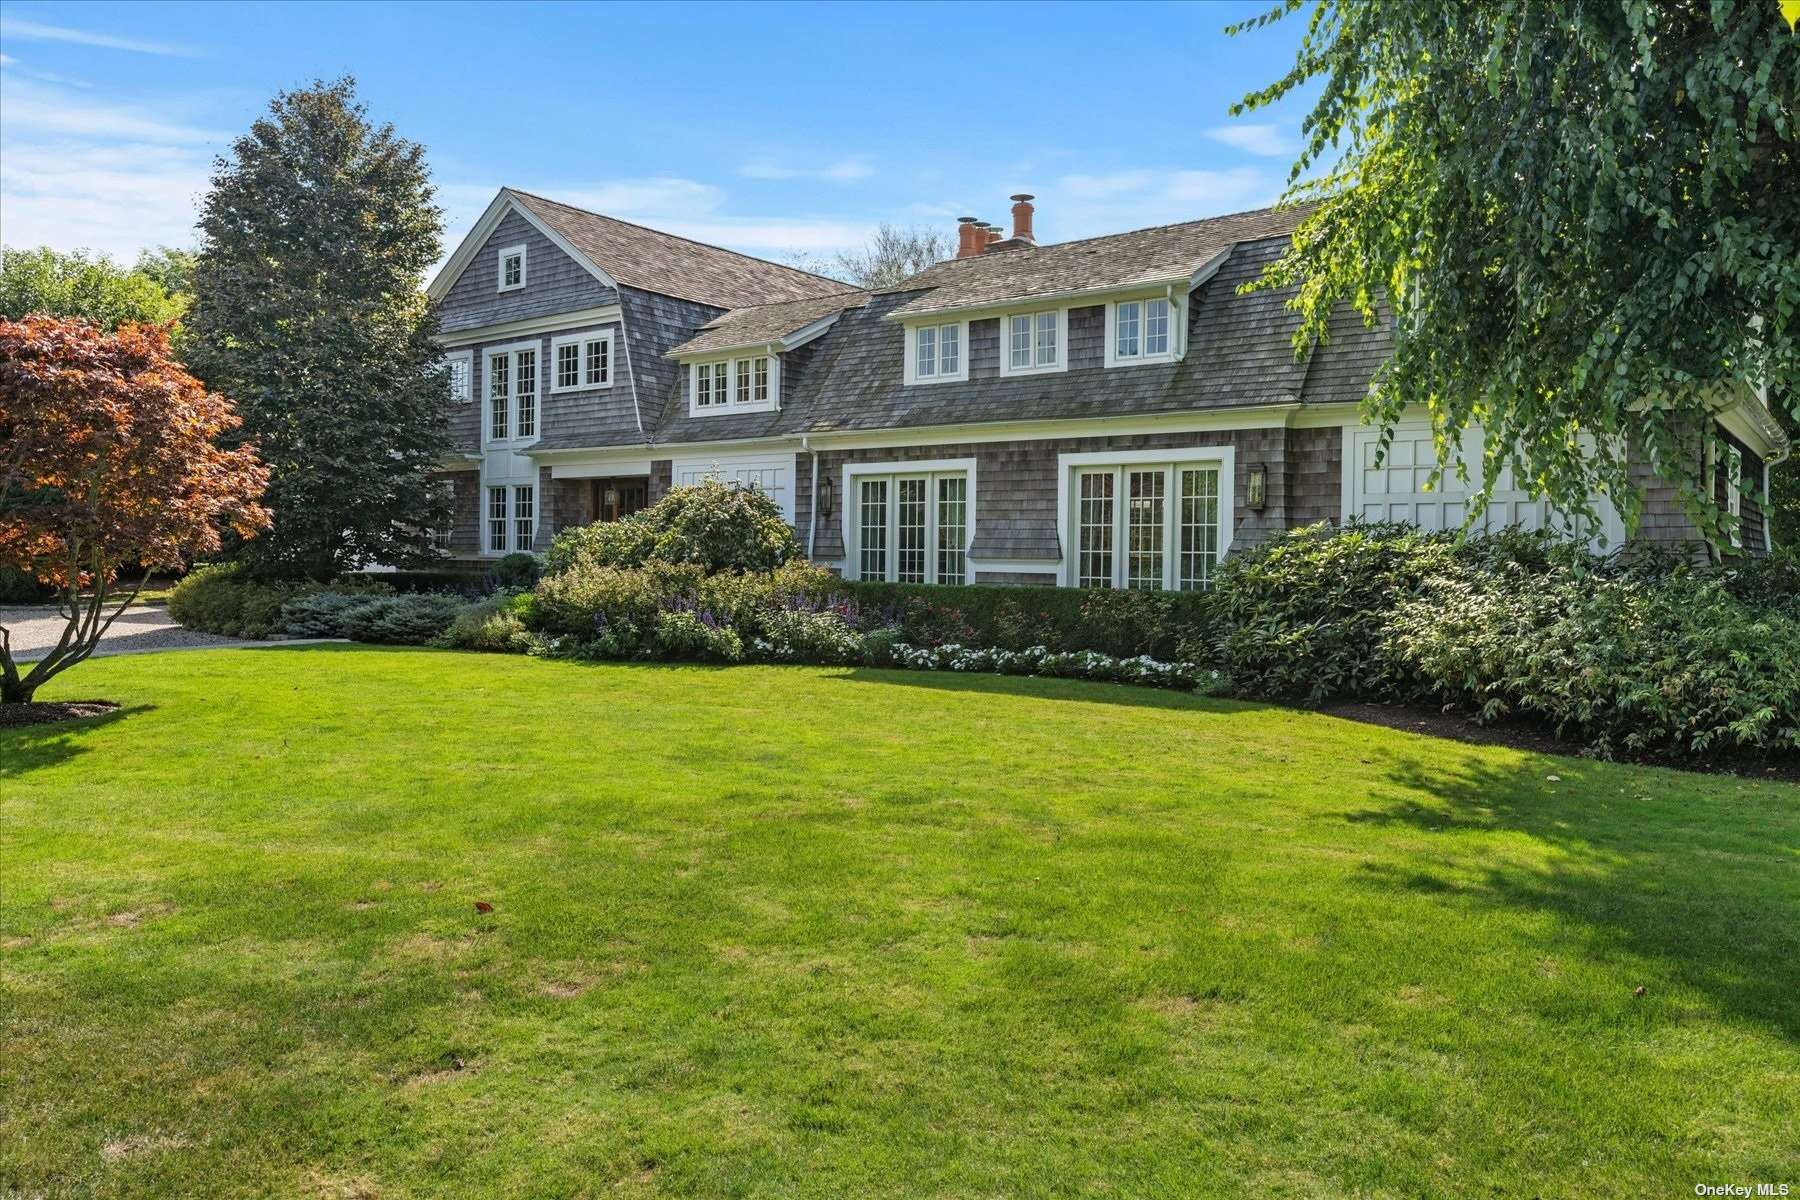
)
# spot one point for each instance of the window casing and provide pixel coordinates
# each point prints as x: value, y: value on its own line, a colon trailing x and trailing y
x: 937, y: 353
x: 511, y: 517
x: 1143, y: 330
x: 741, y: 383
x: 581, y: 361
x: 511, y: 268
x: 1152, y: 526
x: 1734, y: 494
x: 511, y: 379
x: 1033, y: 343
x: 911, y: 526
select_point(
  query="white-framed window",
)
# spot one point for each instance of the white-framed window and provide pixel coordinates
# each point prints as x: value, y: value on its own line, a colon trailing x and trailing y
x: 742, y: 383
x: 511, y: 268
x: 581, y: 361
x: 458, y: 367
x: 910, y: 522
x: 511, y: 379
x: 937, y: 353
x: 1032, y: 343
x: 511, y: 517
x: 1144, y: 330
x: 1149, y: 520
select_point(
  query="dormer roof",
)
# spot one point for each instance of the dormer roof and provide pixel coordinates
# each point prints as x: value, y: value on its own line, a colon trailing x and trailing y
x: 783, y: 326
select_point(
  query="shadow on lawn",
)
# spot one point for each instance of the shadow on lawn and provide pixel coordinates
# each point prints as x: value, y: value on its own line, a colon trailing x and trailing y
x: 28, y: 748
x: 1649, y: 868
x: 1047, y: 687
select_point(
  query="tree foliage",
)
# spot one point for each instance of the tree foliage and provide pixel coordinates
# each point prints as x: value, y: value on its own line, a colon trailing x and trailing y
x: 890, y: 255
x: 90, y: 286
x: 1584, y: 219
x: 109, y: 456
x: 308, y: 310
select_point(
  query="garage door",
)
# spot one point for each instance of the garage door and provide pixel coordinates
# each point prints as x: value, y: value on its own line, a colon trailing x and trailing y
x: 1395, y: 490
x: 773, y: 475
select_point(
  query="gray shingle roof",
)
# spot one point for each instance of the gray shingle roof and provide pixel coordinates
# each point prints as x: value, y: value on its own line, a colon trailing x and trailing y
x: 763, y: 323
x: 1143, y: 256
x: 675, y: 266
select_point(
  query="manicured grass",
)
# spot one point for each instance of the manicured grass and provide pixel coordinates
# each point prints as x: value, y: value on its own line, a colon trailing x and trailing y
x: 820, y: 932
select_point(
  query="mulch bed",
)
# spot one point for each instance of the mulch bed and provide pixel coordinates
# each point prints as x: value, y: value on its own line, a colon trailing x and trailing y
x: 1523, y: 736
x: 47, y: 712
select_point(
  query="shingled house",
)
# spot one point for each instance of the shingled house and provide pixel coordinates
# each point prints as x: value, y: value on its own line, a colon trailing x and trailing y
x: 1109, y: 412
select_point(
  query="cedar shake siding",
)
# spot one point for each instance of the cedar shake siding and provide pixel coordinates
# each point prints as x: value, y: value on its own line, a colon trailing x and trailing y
x: 554, y: 282
x: 465, y: 510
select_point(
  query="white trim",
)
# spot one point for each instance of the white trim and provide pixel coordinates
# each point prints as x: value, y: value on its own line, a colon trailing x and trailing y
x: 504, y: 202
x: 849, y: 504
x: 731, y: 362
x: 793, y: 341
x: 1076, y: 298
x: 606, y: 314
x: 601, y: 470
x: 500, y: 257
x: 1177, y: 329
x: 582, y: 341
x: 1007, y: 370
x: 1021, y: 566
x: 467, y: 359
x: 909, y: 373
x: 1172, y: 456
x: 1734, y: 494
x: 513, y: 440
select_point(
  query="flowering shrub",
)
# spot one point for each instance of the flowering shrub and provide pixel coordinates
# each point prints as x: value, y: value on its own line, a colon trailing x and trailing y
x: 711, y: 525
x: 1040, y: 660
x: 929, y: 623
x: 799, y: 632
x: 696, y: 635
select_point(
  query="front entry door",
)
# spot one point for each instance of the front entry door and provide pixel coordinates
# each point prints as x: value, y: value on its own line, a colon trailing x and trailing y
x: 611, y: 499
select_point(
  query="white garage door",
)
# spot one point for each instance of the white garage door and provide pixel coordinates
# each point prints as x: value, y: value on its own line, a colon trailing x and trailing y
x: 773, y: 475
x: 1396, y: 489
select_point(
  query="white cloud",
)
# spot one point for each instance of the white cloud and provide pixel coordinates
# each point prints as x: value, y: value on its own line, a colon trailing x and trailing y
x: 1090, y: 205
x: 118, y: 199
x: 7, y: 60
x: 847, y: 170
x: 1265, y: 141
x: 37, y: 31
x: 35, y: 111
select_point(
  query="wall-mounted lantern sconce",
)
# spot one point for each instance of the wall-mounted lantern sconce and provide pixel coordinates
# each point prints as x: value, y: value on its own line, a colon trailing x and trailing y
x: 825, y: 497
x: 1256, y: 489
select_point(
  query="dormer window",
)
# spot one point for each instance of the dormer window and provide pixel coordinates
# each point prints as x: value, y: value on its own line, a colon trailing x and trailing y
x: 1142, y: 331
x: 935, y: 353
x: 512, y: 268
x: 1033, y: 342
x: 741, y: 383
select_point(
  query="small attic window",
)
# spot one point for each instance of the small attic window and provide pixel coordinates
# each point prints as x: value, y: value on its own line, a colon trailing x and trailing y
x: 512, y: 268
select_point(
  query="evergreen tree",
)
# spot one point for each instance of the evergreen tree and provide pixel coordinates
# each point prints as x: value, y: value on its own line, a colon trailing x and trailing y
x: 308, y: 311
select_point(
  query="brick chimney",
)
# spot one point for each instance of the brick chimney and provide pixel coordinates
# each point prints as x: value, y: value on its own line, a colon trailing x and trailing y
x: 991, y: 234
x: 1021, y: 214
x: 969, y: 240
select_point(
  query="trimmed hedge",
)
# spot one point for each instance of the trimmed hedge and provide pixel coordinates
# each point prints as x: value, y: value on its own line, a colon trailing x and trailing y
x: 1123, y: 624
x: 470, y: 581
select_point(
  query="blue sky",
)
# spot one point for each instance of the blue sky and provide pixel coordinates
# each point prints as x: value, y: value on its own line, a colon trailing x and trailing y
x: 775, y: 129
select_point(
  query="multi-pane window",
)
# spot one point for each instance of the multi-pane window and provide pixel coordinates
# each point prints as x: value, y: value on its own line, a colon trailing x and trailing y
x: 937, y: 352
x: 741, y: 383
x: 913, y: 528
x: 497, y: 520
x: 499, y: 375
x: 525, y: 392
x: 581, y: 362
x: 1166, y: 533
x: 458, y: 369
x: 1141, y: 330
x: 524, y: 516
x: 1734, y: 492
x: 512, y: 268
x: 872, y: 527
x: 1032, y: 340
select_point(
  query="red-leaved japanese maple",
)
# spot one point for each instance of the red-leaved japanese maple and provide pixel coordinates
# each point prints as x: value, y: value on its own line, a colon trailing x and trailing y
x: 109, y: 458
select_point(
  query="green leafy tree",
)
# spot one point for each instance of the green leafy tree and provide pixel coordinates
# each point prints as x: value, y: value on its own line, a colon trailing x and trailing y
x: 89, y: 286
x: 308, y: 310
x: 1584, y: 219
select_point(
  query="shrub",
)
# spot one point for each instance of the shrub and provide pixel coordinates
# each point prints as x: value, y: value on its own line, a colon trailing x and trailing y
x: 409, y: 619
x: 496, y: 624
x: 1304, y: 615
x: 1127, y: 623
x: 515, y: 570
x: 21, y: 587
x: 469, y: 582
x: 710, y: 525
x: 224, y: 599
x: 1141, y: 670
x: 800, y: 634
x: 1018, y: 617
x: 1674, y: 666
x: 926, y: 622
x: 579, y: 601
x: 695, y: 636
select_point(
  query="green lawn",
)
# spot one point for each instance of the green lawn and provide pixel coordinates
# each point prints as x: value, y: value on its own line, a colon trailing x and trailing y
x: 819, y: 932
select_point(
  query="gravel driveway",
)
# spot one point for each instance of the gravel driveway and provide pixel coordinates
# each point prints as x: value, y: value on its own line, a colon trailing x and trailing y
x: 147, y: 627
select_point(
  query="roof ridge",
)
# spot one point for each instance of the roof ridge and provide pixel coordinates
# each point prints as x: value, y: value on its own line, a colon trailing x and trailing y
x: 854, y: 291
x: 588, y: 212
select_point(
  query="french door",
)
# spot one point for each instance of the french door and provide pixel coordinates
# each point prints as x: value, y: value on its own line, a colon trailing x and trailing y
x: 1151, y: 527
x: 912, y: 528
